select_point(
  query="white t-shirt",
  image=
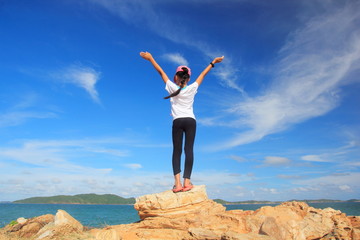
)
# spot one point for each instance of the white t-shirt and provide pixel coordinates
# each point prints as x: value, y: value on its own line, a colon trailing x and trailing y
x: 182, y: 104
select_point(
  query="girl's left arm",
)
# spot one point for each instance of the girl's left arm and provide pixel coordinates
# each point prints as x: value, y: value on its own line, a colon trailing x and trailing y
x: 207, y: 69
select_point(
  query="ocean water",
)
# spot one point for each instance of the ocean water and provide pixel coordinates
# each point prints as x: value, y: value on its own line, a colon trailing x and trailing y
x: 103, y: 215
x: 88, y: 215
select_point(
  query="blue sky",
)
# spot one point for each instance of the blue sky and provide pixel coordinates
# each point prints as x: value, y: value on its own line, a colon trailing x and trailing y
x: 82, y: 112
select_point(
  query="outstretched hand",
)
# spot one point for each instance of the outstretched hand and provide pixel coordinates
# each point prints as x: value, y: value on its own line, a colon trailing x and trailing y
x: 146, y: 55
x: 218, y: 59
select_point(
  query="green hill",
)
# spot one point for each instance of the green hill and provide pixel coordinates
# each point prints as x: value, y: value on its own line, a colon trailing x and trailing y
x: 80, y: 199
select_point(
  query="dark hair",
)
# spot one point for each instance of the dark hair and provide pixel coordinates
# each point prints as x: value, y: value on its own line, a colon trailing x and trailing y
x: 184, y: 76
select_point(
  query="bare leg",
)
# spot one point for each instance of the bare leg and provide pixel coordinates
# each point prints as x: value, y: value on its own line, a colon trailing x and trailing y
x: 177, y: 186
x: 187, y: 185
x: 177, y: 181
x: 187, y: 182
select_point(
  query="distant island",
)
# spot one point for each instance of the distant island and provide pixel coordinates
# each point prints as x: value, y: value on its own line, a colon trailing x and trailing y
x: 223, y: 202
x: 80, y: 199
x: 113, y: 199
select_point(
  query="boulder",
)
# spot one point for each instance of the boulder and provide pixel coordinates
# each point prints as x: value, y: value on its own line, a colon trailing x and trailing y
x: 27, y: 228
x: 63, y: 218
x: 21, y: 220
x: 46, y: 227
x: 171, y: 205
x: 194, y: 216
x: 63, y: 224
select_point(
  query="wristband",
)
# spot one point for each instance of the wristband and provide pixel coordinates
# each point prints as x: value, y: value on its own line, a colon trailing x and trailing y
x: 212, y: 65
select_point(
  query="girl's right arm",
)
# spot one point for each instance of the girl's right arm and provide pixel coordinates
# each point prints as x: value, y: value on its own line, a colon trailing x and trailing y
x: 149, y: 57
x: 201, y: 77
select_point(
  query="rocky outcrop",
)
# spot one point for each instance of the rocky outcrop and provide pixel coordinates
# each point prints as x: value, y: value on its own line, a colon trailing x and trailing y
x: 170, y: 205
x: 46, y: 227
x: 191, y: 215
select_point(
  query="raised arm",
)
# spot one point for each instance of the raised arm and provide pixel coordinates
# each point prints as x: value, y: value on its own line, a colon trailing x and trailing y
x: 149, y: 57
x: 207, y: 69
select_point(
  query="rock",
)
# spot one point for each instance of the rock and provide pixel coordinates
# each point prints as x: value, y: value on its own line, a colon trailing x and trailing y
x: 21, y: 220
x: 107, y: 233
x: 46, y: 227
x: 44, y: 234
x: 270, y: 228
x: 201, y: 218
x: 63, y: 218
x: 355, y: 222
x: 28, y: 228
x: 247, y: 236
x: 201, y: 233
x: 168, y: 204
x: 63, y: 224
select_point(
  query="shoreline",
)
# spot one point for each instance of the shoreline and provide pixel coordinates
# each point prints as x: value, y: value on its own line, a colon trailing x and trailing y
x: 220, y: 202
x: 69, y: 204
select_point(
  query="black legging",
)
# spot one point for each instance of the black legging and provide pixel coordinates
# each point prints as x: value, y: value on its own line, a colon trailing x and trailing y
x: 181, y: 126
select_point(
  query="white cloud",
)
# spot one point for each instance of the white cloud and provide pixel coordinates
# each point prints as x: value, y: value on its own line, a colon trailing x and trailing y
x: 313, y: 158
x: 314, y: 64
x: 284, y: 176
x: 336, y: 155
x: 305, y: 189
x: 19, y: 117
x: 345, y: 188
x: 21, y: 111
x: 60, y: 154
x: 276, y: 161
x: 269, y: 190
x: 176, y: 58
x: 348, y: 179
x: 227, y: 72
x: 83, y: 77
x: 133, y: 166
x: 237, y: 158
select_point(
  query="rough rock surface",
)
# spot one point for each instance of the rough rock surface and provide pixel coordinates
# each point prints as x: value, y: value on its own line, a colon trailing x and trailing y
x: 46, y: 227
x: 191, y: 215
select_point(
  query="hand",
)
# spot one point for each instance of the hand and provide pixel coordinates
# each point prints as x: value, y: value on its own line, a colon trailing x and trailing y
x: 217, y: 60
x: 146, y: 55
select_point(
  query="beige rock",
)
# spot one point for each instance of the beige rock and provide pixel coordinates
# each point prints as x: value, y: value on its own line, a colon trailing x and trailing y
x: 63, y: 224
x: 108, y: 234
x: 28, y: 229
x: 355, y: 222
x: 270, y: 228
x: 169, y: 204
x: 247, y: 236
x: 201, y: 233
x: 63, y: 218
x: 21, y: 220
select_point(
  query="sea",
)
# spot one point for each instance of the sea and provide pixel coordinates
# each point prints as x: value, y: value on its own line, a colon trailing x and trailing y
x: 99, y: 216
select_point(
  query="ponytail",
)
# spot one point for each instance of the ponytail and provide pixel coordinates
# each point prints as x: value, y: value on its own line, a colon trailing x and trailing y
x: 184, y: 75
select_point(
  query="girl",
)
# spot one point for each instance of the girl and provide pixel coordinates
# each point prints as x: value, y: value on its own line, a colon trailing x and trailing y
x: 184, y: 122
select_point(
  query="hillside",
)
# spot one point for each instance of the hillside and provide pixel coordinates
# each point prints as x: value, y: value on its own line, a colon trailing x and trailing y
x: 80, y: 199
x: 114, y: 199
